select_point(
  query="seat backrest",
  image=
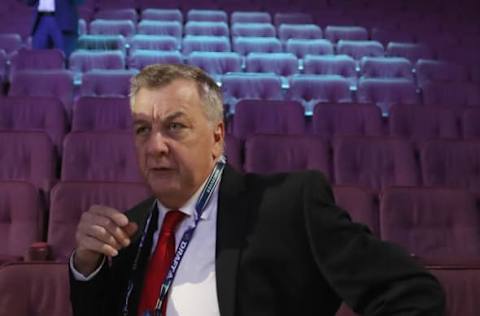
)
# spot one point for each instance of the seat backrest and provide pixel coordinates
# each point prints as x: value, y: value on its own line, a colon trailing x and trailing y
x: 141, y: 58
x: 37, y: 59
x: 386, y: 67
x: 216, y: 63
x: 165, y: 28
x: 305, y: 31
x: 470, y: 126
x: 246, y: 45
x: 108, y: 83
x: 292, y: 18
x: 112, y: 27
x: 250, y: 17
x: 117, y: 14
x: 336, y: 33
x: 153, y: 42
x: 359, y: 49
x: 253, y: 30
x: 196, y: 28
x: 282, y: 64
x: 207, y: 15
x: 451, y: 94
x: 102, y: 42
x: 342, y: 65
x: 10, y: 42
x: 411, y: 51
x: 432, y: 70
x: 303, y: 47
x: 162, y: 14
x: 83, y: 60
x: 205, y: 44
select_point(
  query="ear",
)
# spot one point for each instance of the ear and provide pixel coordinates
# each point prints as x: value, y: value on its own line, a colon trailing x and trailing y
x: 218, y: 140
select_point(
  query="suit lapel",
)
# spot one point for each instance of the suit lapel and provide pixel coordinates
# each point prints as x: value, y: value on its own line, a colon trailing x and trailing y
x: 231, y: 223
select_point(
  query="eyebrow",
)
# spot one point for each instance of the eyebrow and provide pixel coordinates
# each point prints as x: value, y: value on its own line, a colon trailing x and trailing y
x: 169, y: 117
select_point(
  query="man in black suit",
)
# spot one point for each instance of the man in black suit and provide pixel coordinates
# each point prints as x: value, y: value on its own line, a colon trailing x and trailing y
x: 264, y: 245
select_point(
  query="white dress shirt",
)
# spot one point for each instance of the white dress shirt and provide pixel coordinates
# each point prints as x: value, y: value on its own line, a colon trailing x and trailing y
x: 46, y: 6
x: 194, y: 289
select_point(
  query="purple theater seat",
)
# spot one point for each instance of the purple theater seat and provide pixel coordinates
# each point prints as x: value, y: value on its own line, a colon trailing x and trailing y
x: 386, y: 35
x: 253, y: 30
x: 165, y: 28
x: 216, y: 64
x: 102, y: 42
x: 386, y: 67
x: 303, y: 47
x: 27, y: 156
x: 100, y: 156
x: 112, y: 27
x: 237, y: 86
x: 431, y: 223
x: 10, y: 43
x: 341, y: 65
x: 34, y: 288
x: 82, y: 61
x: 250, y: 17
x: 470, y: 123
x: 268, y: 154
x: 451, y: 93
x: 420, y: 123
x: 106, y: 83
x: 330, y: 120
x: 3, y: 66
x: 44, y: 83
x: 21, y: 218
x: 292, y: 18
x: 312, y: 89
x: 37, y: 59
x: 268, y: 117
x: 35, y: 114
x: 374, y: 162
x: 141, y: 58
x: 196, y: 28
x: 411, y: 51
x: 207, y: 15
x: 302, y: 31
x: 385, y: 92
x: 162, y: 15
x: 352, y: 33
x: 451, y: 163
x: 234, y: 152
x: 101, y: 113
x: 82, y: 27
x: 432, y: 70
x: 205, y: 44
x: 282, y: 64
x: 69, y: 200
x: 117, y: 14
x: 154, y: 42
x: 359, y: 49
x: 247, y: 45
x: 362, y: 205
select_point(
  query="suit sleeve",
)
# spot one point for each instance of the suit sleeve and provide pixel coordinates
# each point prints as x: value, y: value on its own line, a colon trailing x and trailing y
x: 373, y: 277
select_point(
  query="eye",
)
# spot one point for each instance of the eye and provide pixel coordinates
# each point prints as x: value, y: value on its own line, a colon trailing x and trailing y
x: 142, y: 130
x: 175, y: 126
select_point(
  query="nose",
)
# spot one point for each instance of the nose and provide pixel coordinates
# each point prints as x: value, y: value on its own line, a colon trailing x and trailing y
x: 157, y: 144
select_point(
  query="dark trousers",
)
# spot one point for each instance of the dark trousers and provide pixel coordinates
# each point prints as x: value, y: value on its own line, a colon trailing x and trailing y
x: 48, y: 35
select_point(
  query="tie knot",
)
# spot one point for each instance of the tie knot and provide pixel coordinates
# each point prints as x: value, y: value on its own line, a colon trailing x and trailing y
x: 171, y: 221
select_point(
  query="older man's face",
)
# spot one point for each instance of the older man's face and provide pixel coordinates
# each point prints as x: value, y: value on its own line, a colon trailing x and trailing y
x: 176, y: 144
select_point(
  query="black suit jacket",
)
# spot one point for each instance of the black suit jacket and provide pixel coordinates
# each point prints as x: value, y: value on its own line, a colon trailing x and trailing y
x: 283, y: 248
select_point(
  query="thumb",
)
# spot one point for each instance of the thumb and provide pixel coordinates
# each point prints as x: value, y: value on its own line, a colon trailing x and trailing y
x: 131, y: 228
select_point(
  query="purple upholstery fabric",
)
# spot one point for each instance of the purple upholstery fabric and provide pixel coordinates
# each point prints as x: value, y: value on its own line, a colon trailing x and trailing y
x: 21, y: 218
x: 216, y: 63
x: 280, y: 153
x: 84, y: 60
x: 470, y: 125
x: 237, y: 86
x: 27, y: 156
x: 34, y: 114
x: 303, y: 47
x: 362, y: 205
x: 268, y: 117
x: 37, y: 59
x: 354, y: 33
x: 387, y: 91
x: 101, y: 113
x: 38, y: 288
x: 234, y: 152
x: 141, y: 58
x: 205, y: 44
x: 10, y: 42
x: 420, y: 123
x: 112, y: 27
x: 282, y: 64
x: 331, y: 120
x: 341, y: 65
x: 195, y: 28
x: 100, y: 156
x: 359, y: 49
x: 44, y: 83
x: 451, y: 163
x: 387, y: 35
x: 106, y: 83
x: 117, y: 14
x: 411, y: 51
x: 303, y: 31
x: 162, y: 14
x: 374, y: 162
x: 165, y: 28
x: 253, y: 30
x: 250, y: 17
x: 386, y: 67
x: 154, y: 42
x: 102, y: 42
x: 432, y: 70
x: 292, y: 18
x: 451, y: 93
x: 431, y: 222
x: 69, y: 200
x: 3, y: 65
x: 246, y: 45
x: 311, y: 89
x: 207, y: 15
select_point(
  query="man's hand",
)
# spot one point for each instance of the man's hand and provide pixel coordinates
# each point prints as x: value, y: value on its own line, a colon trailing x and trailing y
x: 102, y: 231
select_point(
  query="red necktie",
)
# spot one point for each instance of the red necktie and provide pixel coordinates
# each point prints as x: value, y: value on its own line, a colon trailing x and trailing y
x: 160, y: 263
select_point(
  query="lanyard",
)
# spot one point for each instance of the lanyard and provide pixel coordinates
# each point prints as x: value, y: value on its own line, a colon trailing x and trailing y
x: 202, y: 202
